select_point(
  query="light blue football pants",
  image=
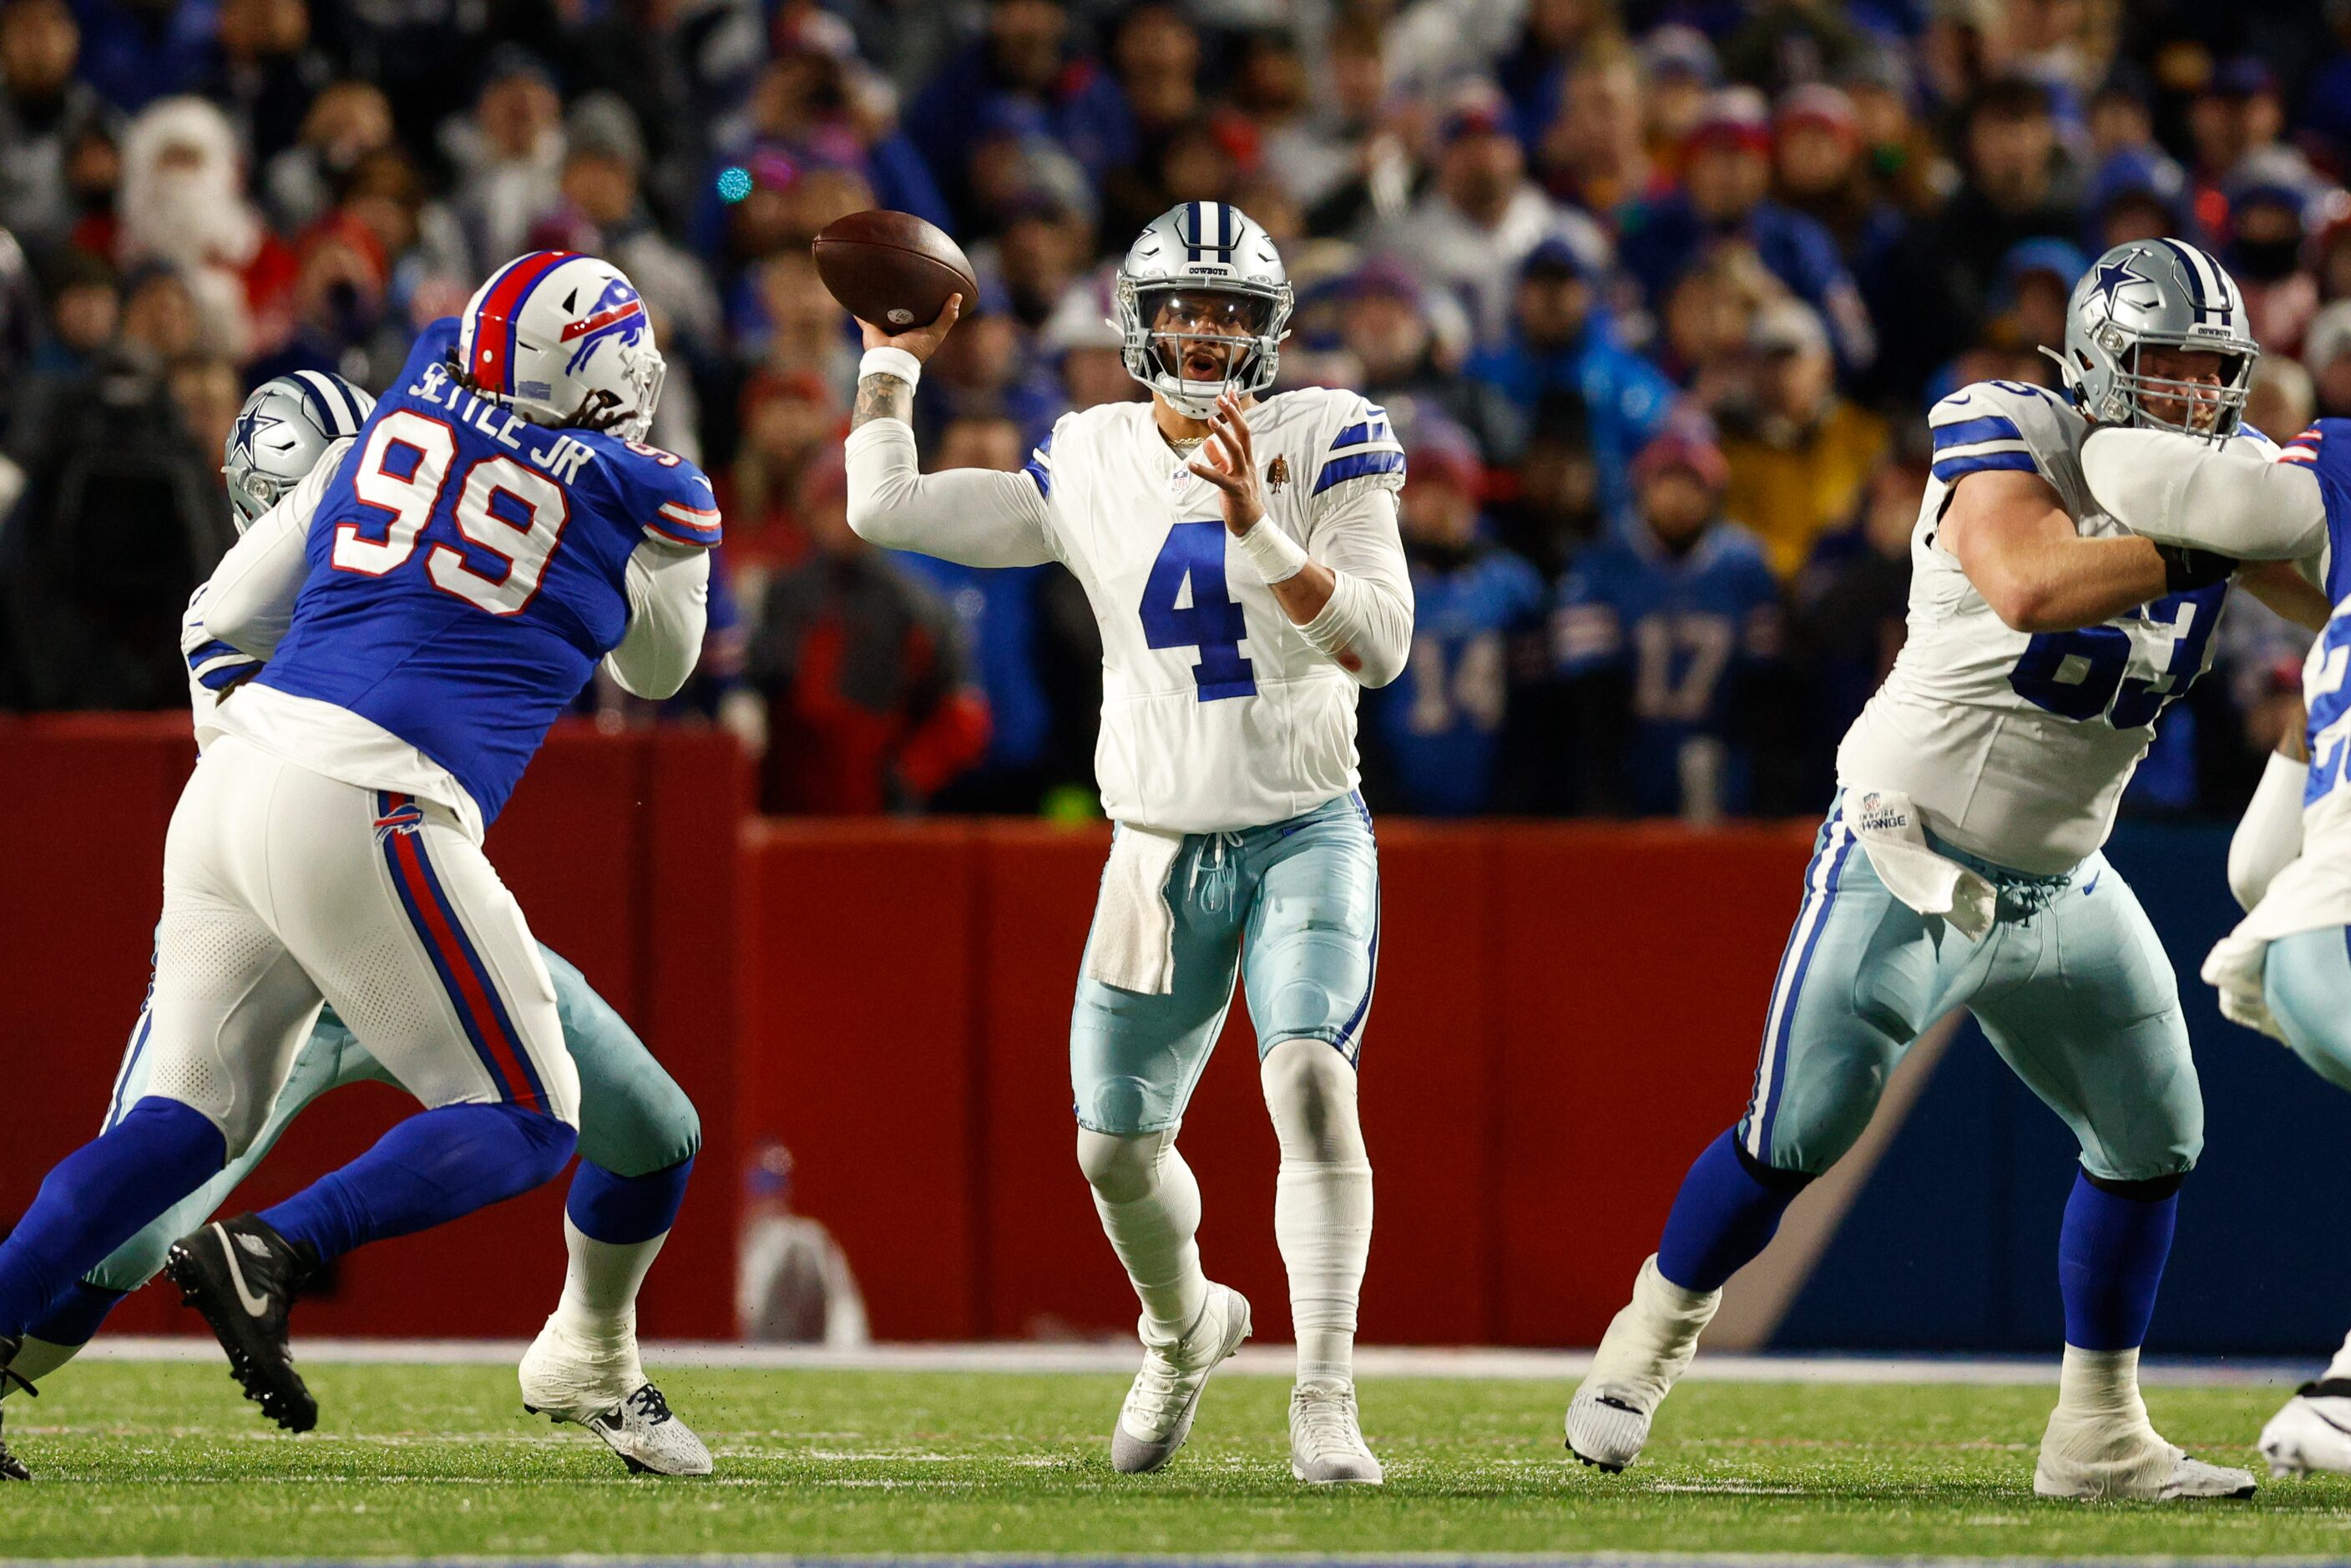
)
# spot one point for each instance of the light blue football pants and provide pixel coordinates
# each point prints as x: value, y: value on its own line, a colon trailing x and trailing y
x: 2071, y: 985
x: 634, y: 1118
x: 1294, y: 908
x: 2306, y: 980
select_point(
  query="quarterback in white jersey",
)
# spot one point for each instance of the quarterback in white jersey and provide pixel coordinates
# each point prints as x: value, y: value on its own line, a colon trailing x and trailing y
x: 1979, y: 786
x: 1243, y: 564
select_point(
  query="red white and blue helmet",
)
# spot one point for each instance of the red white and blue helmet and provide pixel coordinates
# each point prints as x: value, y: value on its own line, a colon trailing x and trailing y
x: 563, y: 339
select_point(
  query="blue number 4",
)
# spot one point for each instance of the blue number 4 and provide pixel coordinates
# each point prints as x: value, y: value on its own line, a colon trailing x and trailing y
x: 1212, y: 623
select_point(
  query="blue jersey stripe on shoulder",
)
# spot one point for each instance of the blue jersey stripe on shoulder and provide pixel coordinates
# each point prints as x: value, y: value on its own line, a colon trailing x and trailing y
x: 215, y: 649
x: 1355, y: 465
x: 225, y: 672
x: 1036, y: 469
x: 1950, y: 468
x: 1968, y: 431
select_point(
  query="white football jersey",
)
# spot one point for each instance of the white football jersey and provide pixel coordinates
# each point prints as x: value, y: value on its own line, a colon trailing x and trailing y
x: 1217, y: 713
x: 2016, y: 745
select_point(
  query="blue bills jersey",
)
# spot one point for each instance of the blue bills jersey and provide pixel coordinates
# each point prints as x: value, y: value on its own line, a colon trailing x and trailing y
x: 468, y: 567
x: 1439, y: 726
x: 1683, y: 631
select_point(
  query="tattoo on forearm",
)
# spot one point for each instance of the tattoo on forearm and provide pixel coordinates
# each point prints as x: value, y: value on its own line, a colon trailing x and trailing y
x: 883, y: 397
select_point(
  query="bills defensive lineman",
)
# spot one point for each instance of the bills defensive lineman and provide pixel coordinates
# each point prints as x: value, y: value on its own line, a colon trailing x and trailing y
x: 1242, y: 560
x: 638, y: 1131
x: 1960, y: 866
x: 2286, y: 968
x: 425, y: 607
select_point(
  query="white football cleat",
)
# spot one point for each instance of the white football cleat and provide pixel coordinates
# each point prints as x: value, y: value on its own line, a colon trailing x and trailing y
x: 1326, y: 1440
x: 2312, y: 1432
x: 604, y: 1389
x: 1157, y: 1415
x: 2107, y: 1459
x: 1647, y: 1347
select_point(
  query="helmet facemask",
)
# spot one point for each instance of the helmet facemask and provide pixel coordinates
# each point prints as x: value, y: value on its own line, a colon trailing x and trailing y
x: 645, y: 372
x: 1238, y: 325
x: 2138, y: 387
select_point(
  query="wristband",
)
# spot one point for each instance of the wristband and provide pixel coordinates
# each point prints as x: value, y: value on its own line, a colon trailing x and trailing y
x: 889, y: 362
x: 2186, y: 569
x: 1277, y: 557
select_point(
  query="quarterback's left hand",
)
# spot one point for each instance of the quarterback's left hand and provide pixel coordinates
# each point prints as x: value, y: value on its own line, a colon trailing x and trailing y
x: 1232, y: 466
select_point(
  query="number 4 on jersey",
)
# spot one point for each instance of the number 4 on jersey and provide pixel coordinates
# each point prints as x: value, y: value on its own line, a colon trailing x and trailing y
x: 1194, y: 555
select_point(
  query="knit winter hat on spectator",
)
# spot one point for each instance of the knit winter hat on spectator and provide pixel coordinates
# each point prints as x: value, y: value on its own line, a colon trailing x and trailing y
x: 1816, y: 103
x: 1688, y: 451
x: 1675, y: 48
x: 1477, y: 109
x: 1734, y: 117
x: 1788, y: 326
x: 602, y: 123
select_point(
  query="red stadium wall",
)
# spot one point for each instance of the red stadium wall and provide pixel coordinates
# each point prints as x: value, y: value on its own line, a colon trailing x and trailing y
x: 1565, y: 1013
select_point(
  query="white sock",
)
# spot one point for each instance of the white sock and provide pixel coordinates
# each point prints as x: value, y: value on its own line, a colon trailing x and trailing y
x: 1150, y: 1206
x: 1322, y: 1201
x: 2339, y: 1367
x: 2100, y: 1383
x: 36, y: 1359
x: 601, y: 1285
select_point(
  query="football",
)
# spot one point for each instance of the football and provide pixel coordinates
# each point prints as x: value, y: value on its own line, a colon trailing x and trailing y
x: 893, y: 269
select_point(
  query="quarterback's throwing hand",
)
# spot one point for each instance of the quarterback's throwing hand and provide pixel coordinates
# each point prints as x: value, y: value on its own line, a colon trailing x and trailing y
x: 1232, y: 465
x: 921, y: 342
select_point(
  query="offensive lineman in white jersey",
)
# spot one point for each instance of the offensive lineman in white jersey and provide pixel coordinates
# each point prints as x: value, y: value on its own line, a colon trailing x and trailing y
x: 1979, y: 784
x: 1244, y: 566
x: 2286, y: 968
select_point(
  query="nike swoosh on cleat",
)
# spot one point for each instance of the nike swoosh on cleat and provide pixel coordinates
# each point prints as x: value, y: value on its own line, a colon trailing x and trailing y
x: 256, y: 1306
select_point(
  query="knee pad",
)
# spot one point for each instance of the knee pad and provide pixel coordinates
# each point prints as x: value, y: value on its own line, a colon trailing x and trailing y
x: 1124, y: 1107
x: 1310, y: 1091
x: 1122, y: 1169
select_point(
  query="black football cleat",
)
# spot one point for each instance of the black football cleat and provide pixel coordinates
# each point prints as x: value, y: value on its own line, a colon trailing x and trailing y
x: 12, y: 1468
x: 243, y: 1276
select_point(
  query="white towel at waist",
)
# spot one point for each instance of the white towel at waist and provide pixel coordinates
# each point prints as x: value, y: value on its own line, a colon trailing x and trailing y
x: 1134, y: 942
x: 1894, y: 838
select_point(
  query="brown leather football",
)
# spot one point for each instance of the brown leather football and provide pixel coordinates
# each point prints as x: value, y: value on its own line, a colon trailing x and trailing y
x: 892, y: 269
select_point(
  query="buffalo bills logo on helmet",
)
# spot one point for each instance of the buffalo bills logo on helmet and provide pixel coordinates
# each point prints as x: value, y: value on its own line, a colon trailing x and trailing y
x: 618, y: 313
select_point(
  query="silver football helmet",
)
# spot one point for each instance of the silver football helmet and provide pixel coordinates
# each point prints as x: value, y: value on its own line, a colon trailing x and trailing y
x: 279, y: 433
x: 1212, y: 263
x: 2162, y: 293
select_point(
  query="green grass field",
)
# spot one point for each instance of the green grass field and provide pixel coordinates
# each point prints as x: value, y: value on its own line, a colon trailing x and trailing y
x: 165, y: 1459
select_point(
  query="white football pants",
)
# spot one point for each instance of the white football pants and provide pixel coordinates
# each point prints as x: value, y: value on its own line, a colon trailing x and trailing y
x: 282, y: 888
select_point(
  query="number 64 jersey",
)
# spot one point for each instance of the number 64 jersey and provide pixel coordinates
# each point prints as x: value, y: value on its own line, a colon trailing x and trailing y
x: 2015, y: 746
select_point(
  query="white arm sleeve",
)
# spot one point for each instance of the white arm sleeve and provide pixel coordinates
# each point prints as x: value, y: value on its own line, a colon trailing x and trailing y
x: 669, y: 608
x: 2233, y: 496
x: 249, y: 602
x: 978, y: 517
x: 2269, y: 837
x: 1370, y: 613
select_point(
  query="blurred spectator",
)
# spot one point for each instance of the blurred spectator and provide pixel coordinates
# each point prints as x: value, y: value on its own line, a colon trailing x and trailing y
x: 2235, y: 124
x: 790, y: 419
x: 870, y: 707
x: 207, y: 394
x: 1438, y: 733
x: 42, y: 103
x: 1557, y: 510
x: 1407, y: 345
x: 1594, y: 152
x: 84, y: 306
x: 2036, y: 286
x: 1345, y: 161
x: 2282, y: 400
x: 1798, y: 453
x: 509, y: 155
x: 1853, y: 602
x: 2326, y: 355
x: 1725, y: 196
x: 1086, y: 351
x: 603, y: 163
x: 2264, y: 255
x: 1680, y: 73
x: 136, y: 51
x: 1789, y: 43
x: 1027, y: 56
x: 997, y: 612
x: 267, y: 73
x: 347, y: 122
x: 183, y: 203
x: 122, y: 518
x: 1560, y: 341
x: 1659, y: 627
x: 2015, y: 190
x: 1481, y: 216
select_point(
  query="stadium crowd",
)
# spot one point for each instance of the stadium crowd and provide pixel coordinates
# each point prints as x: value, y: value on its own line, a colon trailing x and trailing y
x: 1656, y: 292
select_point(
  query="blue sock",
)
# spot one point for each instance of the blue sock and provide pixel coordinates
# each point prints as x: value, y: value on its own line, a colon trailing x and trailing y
x: 99, y: 1197
x: 624, y: 1210
x: 431, y: 1168
x: 2110, y: 1256
x: 1728, y: 1211
x: 75, y: 1317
